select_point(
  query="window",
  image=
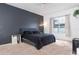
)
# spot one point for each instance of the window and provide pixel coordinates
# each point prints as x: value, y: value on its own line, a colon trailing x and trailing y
x: 59, y: 24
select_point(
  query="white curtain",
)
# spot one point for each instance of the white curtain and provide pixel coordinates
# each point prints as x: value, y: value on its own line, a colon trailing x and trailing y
x: 67, y: 26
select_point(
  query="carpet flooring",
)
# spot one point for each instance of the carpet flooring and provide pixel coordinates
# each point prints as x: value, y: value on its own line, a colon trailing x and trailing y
x: 58, y: 48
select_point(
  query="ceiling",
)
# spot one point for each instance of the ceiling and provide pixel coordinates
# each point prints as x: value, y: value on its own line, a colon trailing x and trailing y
x: 44, y: 8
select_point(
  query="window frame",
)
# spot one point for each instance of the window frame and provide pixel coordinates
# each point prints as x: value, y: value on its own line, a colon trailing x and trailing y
x: 59, y: 27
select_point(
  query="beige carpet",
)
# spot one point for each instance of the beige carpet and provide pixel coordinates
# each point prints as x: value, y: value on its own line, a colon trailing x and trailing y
x: 58, y: 48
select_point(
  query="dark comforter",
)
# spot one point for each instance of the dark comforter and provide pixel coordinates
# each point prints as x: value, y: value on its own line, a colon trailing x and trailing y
x: 39, y: 39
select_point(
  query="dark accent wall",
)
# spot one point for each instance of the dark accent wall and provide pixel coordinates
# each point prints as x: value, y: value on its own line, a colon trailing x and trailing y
x: 12, y: 19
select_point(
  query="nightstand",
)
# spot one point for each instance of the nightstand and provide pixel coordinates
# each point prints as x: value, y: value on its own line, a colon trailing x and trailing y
x: 75, y: 45
x: 16, y: 38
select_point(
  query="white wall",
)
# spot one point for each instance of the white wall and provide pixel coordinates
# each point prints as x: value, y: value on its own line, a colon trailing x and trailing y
x: 74, y: 23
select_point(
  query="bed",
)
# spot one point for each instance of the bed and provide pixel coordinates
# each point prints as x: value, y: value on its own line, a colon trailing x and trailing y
x: 37, y: 38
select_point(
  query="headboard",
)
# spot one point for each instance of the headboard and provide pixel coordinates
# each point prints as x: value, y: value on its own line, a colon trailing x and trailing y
x: 21, y: 30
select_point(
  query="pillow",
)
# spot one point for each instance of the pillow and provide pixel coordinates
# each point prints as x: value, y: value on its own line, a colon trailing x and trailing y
x: 27, y: 32
x: 36, y: 32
